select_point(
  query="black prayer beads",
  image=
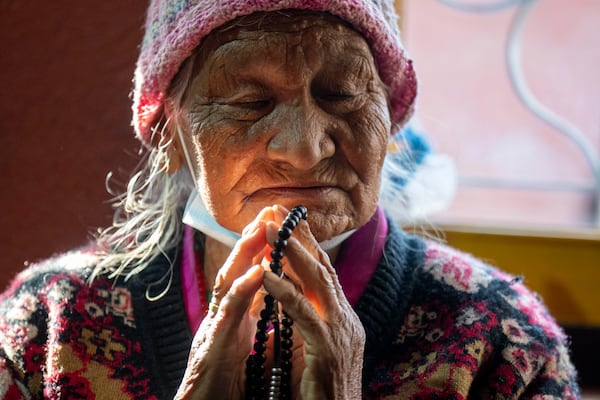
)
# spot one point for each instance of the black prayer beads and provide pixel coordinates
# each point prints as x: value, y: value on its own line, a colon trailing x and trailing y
x: 279, y: 387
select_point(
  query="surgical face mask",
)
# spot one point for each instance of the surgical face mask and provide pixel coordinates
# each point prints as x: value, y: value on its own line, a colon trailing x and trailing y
x: 198, y: 217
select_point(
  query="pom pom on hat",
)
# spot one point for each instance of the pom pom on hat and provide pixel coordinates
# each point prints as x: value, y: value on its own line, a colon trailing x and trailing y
x: 174, y: 28
x: 416, y: 181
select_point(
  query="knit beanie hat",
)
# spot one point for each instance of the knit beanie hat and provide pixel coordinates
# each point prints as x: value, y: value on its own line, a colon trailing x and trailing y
x: 174, y: 28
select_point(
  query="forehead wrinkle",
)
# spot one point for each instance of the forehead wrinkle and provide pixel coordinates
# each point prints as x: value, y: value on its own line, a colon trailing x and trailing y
x: 252, y: 59
x: 298, y: 62
x: 291, y: 21
x: 295, y: 52
x: 221, y: 69
x: 221, y: 56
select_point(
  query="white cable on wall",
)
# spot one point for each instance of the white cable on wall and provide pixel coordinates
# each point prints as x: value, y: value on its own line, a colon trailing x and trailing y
x: 517, y: 79
x: 479, y: 7
x: 515, y: 72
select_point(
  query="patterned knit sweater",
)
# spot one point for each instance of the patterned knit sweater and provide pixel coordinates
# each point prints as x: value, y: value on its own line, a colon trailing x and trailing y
x: 440, y: 325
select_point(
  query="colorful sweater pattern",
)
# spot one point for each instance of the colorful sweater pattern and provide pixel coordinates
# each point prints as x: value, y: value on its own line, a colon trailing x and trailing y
x: 440, y: 324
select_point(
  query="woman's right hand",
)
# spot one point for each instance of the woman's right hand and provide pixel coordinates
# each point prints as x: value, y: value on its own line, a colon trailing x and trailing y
x: 217, y: 362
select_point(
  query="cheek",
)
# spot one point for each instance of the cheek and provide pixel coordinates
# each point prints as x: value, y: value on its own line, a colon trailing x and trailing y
x: 218, y: 163
x: 219, y: 144
x: 372, y: 132
x: 225, y: 159
x: 216, y: 184
x: 372, y: 129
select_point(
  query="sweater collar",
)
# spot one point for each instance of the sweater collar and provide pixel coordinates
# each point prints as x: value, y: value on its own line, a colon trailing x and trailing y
x: 383, y: 304
x: 167, y: 335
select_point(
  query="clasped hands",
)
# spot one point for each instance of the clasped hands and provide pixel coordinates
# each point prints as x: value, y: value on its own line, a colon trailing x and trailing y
x: 328, y: 336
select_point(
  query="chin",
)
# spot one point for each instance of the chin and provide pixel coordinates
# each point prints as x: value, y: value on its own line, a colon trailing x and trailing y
x: 326, y: 225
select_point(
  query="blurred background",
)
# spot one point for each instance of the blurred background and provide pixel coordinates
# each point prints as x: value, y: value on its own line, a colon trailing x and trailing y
x: 515, y: 170
x: 528, y: 195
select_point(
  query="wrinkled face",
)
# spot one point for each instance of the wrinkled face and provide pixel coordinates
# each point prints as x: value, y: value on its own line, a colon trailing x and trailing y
x: 289, y: 113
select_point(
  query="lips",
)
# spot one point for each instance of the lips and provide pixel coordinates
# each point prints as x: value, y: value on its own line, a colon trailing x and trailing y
x: 299, y: 191
x: 311, y: 190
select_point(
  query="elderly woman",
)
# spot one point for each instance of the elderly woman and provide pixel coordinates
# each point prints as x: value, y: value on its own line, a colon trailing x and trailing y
x: 212, y: 285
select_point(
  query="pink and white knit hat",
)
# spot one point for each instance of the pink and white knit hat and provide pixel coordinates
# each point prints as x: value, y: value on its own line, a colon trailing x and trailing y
x: 174, y: 28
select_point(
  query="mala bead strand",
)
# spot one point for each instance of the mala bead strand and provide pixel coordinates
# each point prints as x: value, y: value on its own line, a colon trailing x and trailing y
x: 286, y: 356
x: 275, y: 385
x: 280, y: 382
x: 256, y: 387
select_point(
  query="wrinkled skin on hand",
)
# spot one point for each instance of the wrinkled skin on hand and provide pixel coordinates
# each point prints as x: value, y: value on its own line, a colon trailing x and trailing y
x: 328, y: 336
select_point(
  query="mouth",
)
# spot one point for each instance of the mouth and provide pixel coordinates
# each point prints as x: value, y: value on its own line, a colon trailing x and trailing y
x: 309, y: 191
x: 298, y: 191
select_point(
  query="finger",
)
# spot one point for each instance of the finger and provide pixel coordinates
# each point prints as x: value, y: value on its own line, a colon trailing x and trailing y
x: 314, y: 275
x: 235, y: 322
x: 240, y: 296
x: 244, y: 254
x: 226, y: 339
x: 309, y: 242
x: 232, y: 308
x: 305, y: 316
x: 303, y: 234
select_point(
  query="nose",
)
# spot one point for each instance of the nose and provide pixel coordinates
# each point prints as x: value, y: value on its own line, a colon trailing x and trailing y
x: 301, y: 136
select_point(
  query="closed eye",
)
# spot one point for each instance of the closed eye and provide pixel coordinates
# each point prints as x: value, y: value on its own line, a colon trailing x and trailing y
x: 252, y: 105
x: 337, y: 96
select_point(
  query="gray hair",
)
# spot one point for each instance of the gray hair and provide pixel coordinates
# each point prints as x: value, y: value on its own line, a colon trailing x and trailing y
x: 147, y: 221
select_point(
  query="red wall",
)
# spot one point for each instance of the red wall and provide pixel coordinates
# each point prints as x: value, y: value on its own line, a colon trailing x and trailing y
x: 65, y: 75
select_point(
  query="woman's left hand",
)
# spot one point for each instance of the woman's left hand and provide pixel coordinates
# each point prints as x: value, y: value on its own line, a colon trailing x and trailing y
x: 329, y: 338
x: 217, y: 362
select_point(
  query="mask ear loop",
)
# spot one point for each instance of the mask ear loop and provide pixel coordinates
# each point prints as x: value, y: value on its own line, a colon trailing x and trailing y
x: 186, y: 155
x: 196, y: 214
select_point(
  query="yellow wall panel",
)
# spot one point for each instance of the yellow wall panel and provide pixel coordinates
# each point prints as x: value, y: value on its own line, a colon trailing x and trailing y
x: 564, y: 271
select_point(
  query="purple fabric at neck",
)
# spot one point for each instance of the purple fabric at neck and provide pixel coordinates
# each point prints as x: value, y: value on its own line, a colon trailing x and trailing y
x: 355, y: 264
x: 190, y: 281
x: 359, y: 255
